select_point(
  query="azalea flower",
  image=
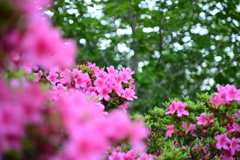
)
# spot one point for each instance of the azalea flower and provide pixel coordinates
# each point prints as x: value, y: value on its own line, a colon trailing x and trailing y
x: 234, y: 145
x: 178, y: 107
x: 170, y: 130
x: 222, y: 141
x: 205, y: 120
x: 191, y: 128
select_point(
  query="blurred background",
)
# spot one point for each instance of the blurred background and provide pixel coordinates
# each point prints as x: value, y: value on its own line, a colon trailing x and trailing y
x: 175, y: 47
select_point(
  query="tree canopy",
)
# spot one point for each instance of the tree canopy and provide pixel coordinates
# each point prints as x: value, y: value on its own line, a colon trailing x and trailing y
x: 175, y: 47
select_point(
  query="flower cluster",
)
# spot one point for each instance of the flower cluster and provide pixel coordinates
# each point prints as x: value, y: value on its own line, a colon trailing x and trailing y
x: 59, y: 123
x: 112, y: 88
x: 225, y: 95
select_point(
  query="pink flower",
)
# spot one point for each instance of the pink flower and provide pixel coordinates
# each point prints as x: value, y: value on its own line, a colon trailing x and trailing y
x: 234, y: 145
x: 38, y: 46
x: 190, y: 127
x: 124, y: 106
x: 222, y: 141
x: 52, y: 77
x: 116, y: 156
x: 83, y: 80
x: 128, y: 70
x: 125, y: 76
x: 31, y: 7
x: 101, y: 74
x: 170, y: 130
x: 82, y: 148
x: 93, y: 67
x: 225, y: 95
x: 115, y: 86
x: 38, y: 75
x: 129, y: 94
x: 66, y: 78
x: 232, y: 93
x: 32, y: 111
x: 99, y: 82
x: 172, y: 108
x: 237, y: 114
x: 234, y: 128
x: 91, y: 91
x: 115, y: 125
x: 226, y: 155
x: 59, y: 87
x: 179, y: 107
x: 205, y: 120
x: 111, y: 70
x: 184, y: 148
x: 202, y: 120
x: 11, y: 121
x: 137, y: 133
x: 217, y: 100
x: 103, y: 93
x: 76, y: 73
x: 18, y: 107
x: 118, y: 78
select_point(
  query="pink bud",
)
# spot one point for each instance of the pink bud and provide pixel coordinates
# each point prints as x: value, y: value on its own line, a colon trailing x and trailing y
x: 204, y: 131
x: 211, y: 116
x: 180, y: 133
x: 184, y: 148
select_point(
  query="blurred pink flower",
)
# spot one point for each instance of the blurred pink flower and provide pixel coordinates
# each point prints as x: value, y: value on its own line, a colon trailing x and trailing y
x: 234, y: 146
x: 205, y: 120
x: 170, y: 130
x: 222, y: 141
x: 191, y: 127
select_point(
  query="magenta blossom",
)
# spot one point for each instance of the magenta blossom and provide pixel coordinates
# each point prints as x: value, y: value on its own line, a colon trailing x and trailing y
x: 234, y: 128
x: 222, y: 141
x: 178, y: 107
x: 234, y: 145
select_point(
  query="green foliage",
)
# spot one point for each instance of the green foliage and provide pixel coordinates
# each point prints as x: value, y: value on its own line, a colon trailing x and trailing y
x: 174, y: 46
x: 172, y: 153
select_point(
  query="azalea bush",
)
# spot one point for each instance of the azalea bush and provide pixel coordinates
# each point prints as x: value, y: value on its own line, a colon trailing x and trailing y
x: 207, y: 128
